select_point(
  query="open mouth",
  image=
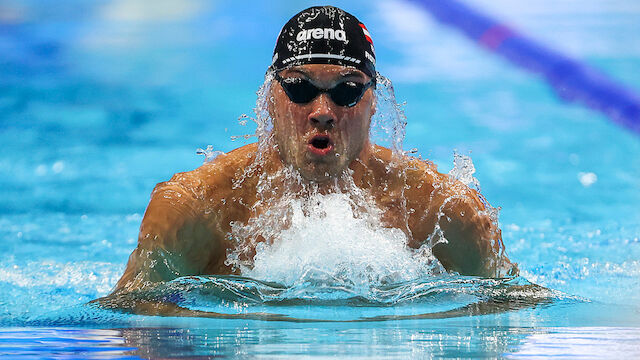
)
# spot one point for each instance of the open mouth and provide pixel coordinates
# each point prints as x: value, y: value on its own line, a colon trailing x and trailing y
x: 320, y: 145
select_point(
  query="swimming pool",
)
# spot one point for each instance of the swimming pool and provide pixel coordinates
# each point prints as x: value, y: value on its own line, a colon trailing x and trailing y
x: 102, y: 100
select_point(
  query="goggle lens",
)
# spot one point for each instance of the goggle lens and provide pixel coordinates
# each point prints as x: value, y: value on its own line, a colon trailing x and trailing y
x: 302, y: 91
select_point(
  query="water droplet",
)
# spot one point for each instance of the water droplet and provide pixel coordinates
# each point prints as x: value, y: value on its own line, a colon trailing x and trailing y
x: 41, y: 170
x: 587, y: 178
x: 209, y: 153
x: 57, y: 167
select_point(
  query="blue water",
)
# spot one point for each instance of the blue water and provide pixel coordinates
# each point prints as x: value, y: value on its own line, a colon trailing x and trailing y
x: 101, y: 100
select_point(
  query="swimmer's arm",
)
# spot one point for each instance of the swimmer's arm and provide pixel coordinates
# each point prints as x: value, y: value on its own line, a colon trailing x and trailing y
x: 174, y: 240
x: 472, y: 243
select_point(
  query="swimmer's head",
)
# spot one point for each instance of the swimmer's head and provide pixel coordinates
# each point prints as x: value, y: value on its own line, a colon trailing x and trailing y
x: 322, y: 97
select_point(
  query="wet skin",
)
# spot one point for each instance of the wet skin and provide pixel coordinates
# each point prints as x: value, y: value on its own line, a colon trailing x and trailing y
x: 187, y: 222
x: 297, y: 125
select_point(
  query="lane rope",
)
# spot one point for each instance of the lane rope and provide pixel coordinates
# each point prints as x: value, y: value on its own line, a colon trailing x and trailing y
x: 572, y: 80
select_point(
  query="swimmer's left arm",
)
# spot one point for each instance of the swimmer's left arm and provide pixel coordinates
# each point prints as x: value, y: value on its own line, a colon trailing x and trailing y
x: 472, y: 242
x: 458, y: 224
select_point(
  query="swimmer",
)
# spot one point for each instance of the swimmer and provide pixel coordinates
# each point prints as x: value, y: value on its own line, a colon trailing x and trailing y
x: 321, y: 100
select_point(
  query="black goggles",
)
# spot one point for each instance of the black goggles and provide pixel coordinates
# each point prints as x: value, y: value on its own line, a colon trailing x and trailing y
x: 302, y: 91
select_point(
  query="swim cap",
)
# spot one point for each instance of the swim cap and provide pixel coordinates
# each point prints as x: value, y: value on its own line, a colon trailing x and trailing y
x: 325, y: 35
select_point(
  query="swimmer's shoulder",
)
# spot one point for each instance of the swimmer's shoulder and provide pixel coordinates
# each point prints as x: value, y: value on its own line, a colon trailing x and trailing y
x: 425, y: 185
x: 424, y: 178
x: 424, y: 173
x: 216, y: 176
x: 229, y: 164
x: 418, y: 171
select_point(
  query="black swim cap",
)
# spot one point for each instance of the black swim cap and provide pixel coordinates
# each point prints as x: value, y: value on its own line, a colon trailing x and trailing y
x: 325, y: 35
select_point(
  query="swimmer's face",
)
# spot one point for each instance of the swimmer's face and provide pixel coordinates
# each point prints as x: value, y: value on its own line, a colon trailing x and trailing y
x: 321, y: 138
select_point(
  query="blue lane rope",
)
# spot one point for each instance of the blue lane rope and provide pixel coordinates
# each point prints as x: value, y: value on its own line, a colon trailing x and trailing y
x: 572, y: 81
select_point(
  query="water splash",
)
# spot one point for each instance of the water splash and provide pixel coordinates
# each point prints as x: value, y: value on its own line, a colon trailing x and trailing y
x: 331, y: 240
x: 293, y: 210
x: 388, y: 124
x: 236, y: 297
x: 209, y: 153
x: 463, y: 170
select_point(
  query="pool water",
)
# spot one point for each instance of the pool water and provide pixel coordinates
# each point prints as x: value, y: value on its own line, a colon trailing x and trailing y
x: 99, y: 101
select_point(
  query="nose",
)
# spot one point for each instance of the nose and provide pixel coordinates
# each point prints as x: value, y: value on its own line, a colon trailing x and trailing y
x: 322, y: 115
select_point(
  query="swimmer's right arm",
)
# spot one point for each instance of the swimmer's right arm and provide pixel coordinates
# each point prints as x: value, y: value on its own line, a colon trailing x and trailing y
x: 175, y: 239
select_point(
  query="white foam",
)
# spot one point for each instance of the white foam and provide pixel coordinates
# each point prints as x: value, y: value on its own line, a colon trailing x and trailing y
x: 328, y: 242
x: 84, y: 276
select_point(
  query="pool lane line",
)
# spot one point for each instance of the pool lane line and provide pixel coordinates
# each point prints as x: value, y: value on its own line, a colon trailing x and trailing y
x: 572, y: 80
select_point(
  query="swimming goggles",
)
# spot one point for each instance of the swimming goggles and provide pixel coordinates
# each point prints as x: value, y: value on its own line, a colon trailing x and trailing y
x: 302, y: 91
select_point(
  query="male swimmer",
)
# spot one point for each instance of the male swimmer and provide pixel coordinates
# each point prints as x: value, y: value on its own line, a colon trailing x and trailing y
x: 321, y: 102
